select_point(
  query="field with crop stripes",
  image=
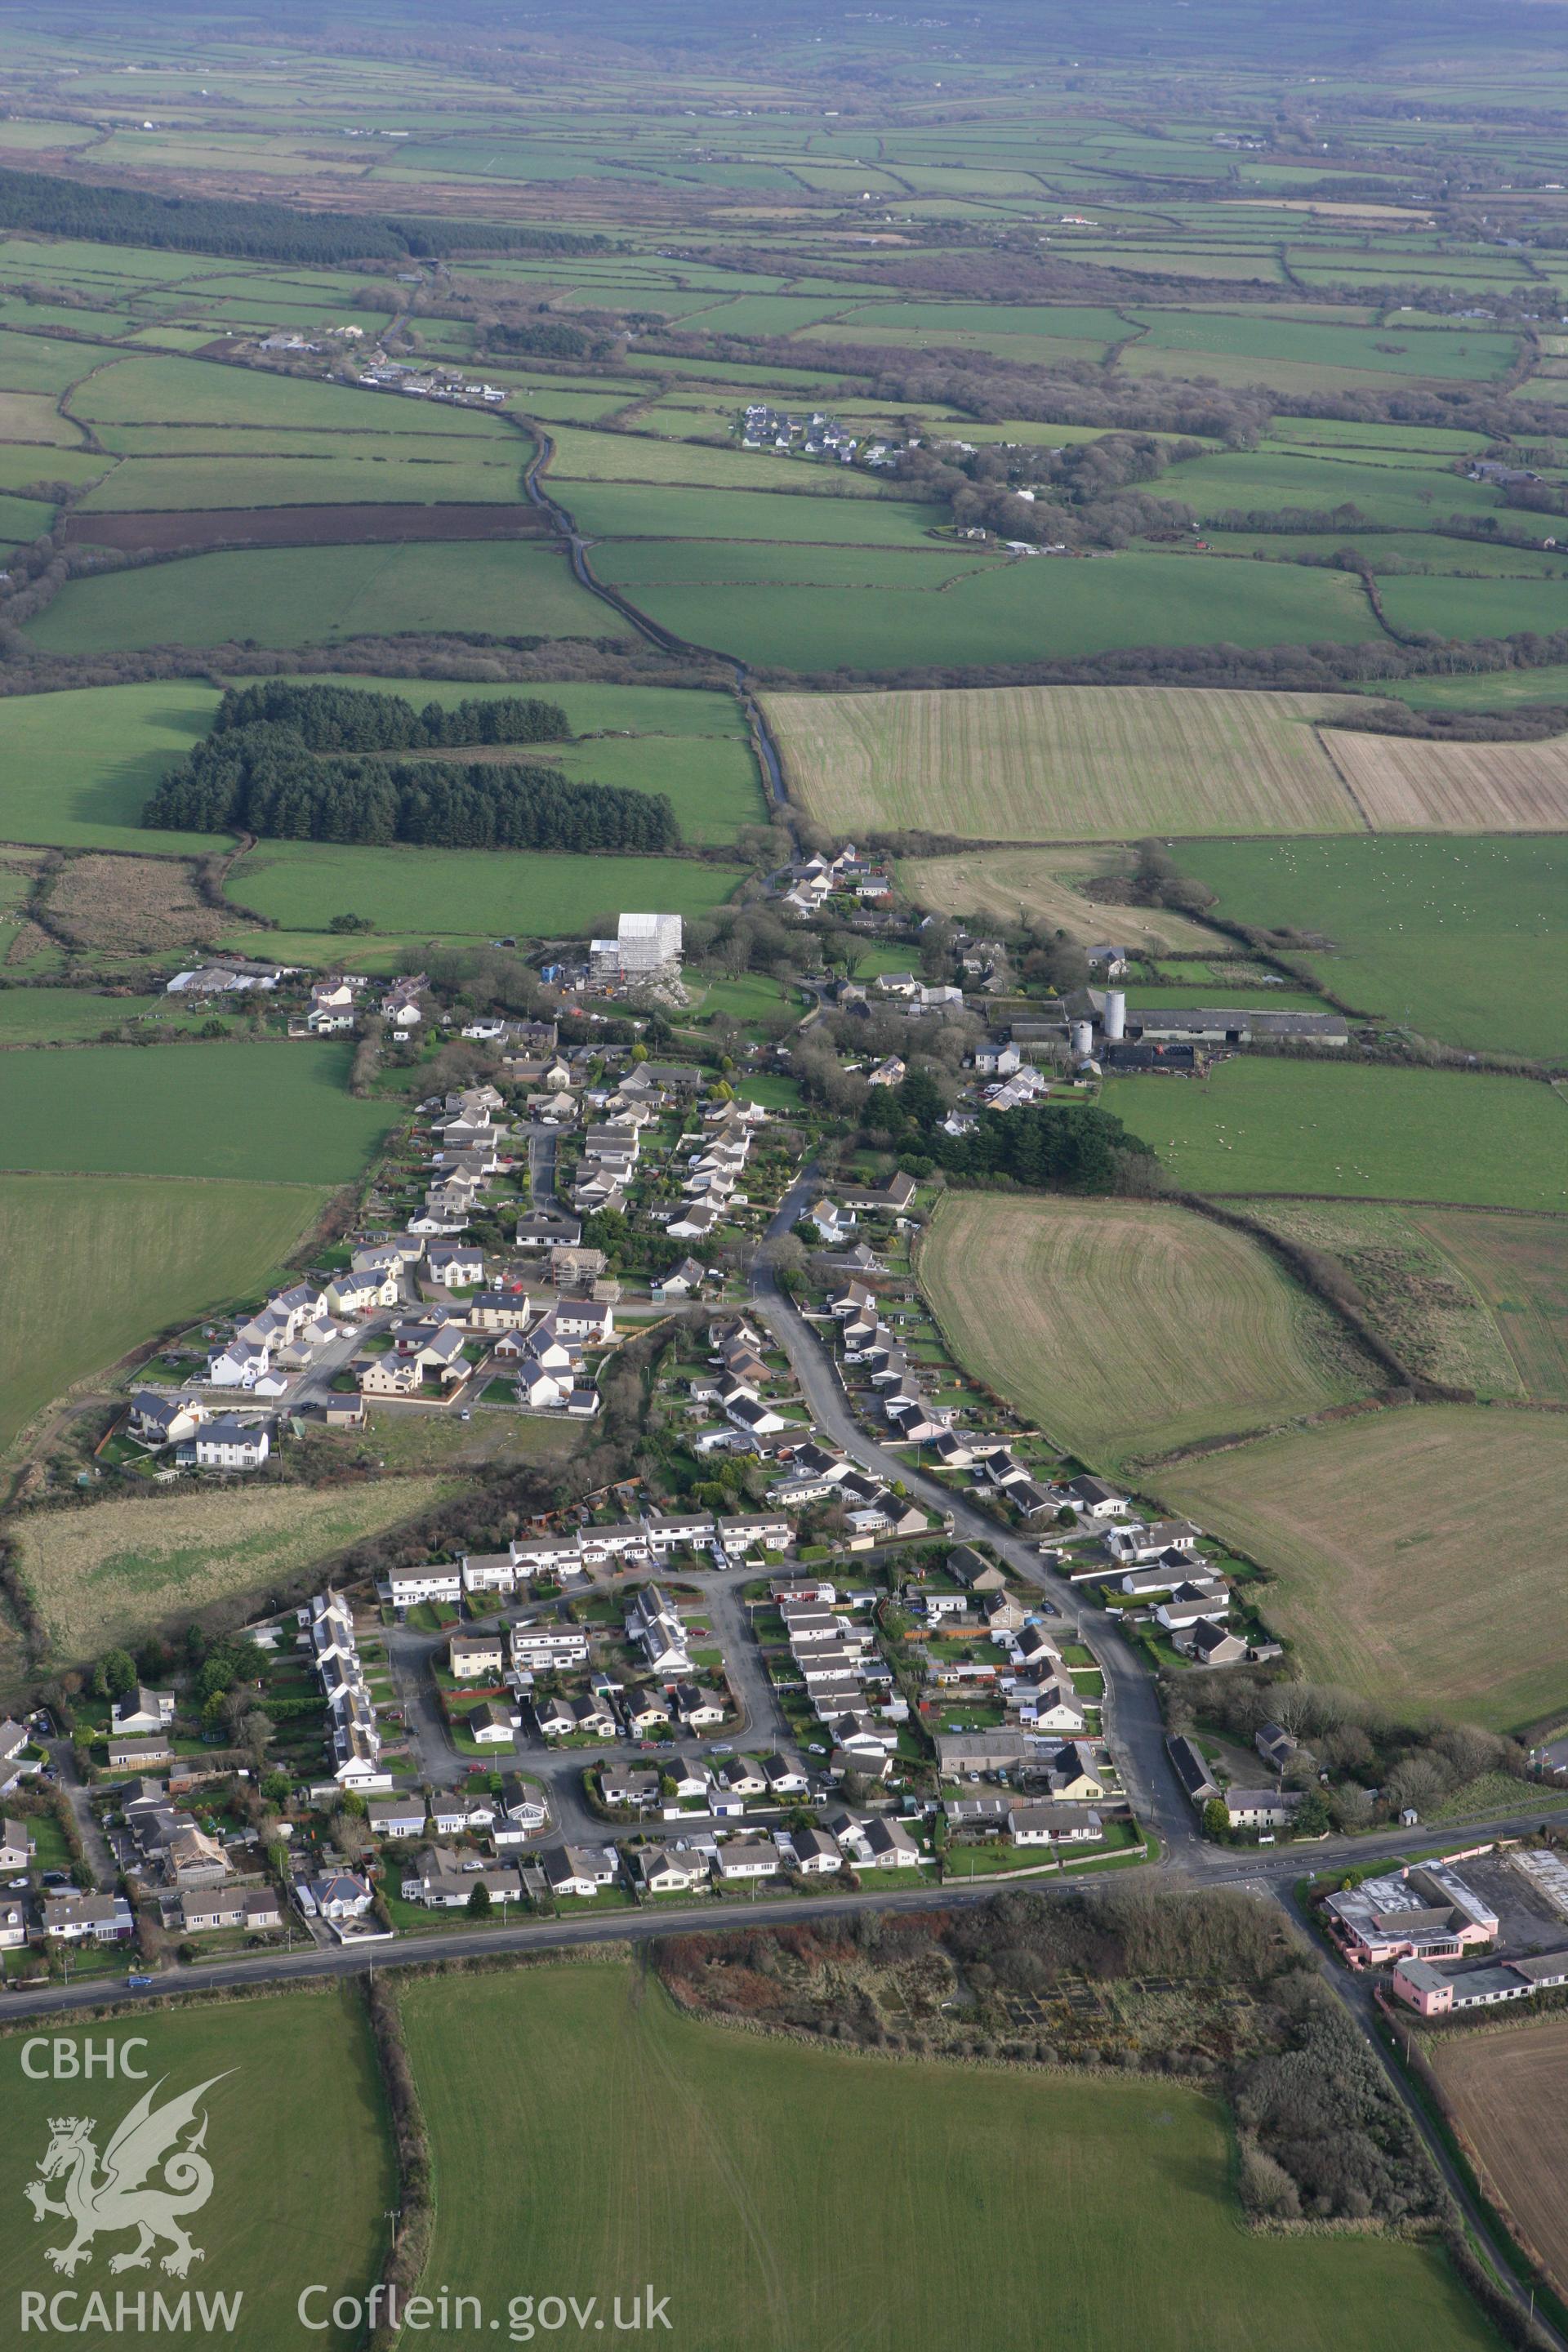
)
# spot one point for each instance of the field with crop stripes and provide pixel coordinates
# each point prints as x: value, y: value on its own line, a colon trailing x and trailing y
x: 1511, y: 2091
x: 1398, y: 1568
x: 1414, y: 787
x: 1126, y: 1329
x: 1055, y: 762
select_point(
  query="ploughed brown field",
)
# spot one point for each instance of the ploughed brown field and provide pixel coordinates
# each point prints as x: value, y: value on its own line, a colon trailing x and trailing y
x: 1511, y: 2094
x: 326, y: 526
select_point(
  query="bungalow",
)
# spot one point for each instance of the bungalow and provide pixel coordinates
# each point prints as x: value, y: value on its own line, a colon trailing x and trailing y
x: 135, y: 1755
x: 1192, y: 1769
x: 1052, y: 1824
x: 579, y: 1870
x: 203, y: 1914
x: 689, y: 1776
x: 398, y: 1817
x: 783, y: 1778
x: 1093, y: 1499
x: 973, y: 1753
x: 815, y: 1853
x: 698, y: 1709
x: 619, y: 1784
x: 741, y: 1776
x: 459, y: 1816
x: 490, y: 1725
x: 741, y: 1860
x: 1208, y: 1644
x: 887, y: 1844
x: 75, y: 1918
x: 1136, y: 1543
x: 672, y: 1869
x: 548, y: 1229
x: 753, y: 1418
x: 520, y: 1803
x: 1207, y: 1596
x: 473, y: 1657
x: 646, y: 1711
x: 695, y: 1224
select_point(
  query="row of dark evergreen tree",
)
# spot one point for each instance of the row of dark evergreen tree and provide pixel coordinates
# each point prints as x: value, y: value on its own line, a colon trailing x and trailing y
x: 110, y: 215
x: 265, y: 780
x: 350, y: 719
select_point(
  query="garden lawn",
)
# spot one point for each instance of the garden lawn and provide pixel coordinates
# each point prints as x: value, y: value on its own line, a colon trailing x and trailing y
x: 95, y: 1265
x: 719, y: 2167
x: 300, y: 595
x: 1457, y: 937
x: 1355, y: 1129
x: 495, y: 893
x: 281, y: 1112
x: 293, y: 2072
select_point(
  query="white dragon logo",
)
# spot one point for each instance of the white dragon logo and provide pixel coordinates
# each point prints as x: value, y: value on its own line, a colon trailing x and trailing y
x: 117, y: 2199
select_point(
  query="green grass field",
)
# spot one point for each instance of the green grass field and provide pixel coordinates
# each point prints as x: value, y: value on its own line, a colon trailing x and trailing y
x: 442, y: 469
x: 1393, y: 1572
x: 720, y: 2167
x: 278, y: 1112
x: 1476, y: 608
x: 46, y: 1016
x: 1125, y: 1329
x: 622, y: 511
x: 293, y: 2071
x: 424, y: 892
x: 1022, y: 610
x: 300, y: 595
x: 1313, y: 1127
x: 96, y: 1264
x: 76, y: 767
x: 1454, y: 936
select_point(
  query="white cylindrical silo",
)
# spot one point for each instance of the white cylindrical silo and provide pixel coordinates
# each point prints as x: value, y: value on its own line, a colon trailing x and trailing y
x: 1115, y: 1015
x: 1082, y: 1039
